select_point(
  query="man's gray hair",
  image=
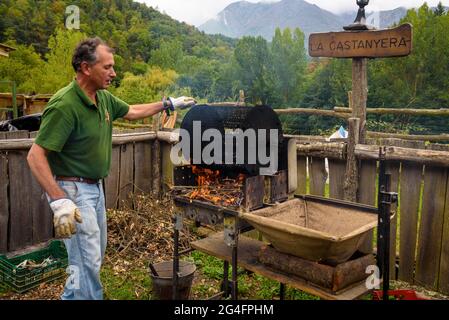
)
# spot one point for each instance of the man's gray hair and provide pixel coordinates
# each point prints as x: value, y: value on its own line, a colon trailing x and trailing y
x: 86, y: 52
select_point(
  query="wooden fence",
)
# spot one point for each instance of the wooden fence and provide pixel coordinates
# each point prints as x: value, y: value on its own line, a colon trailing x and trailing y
x: 420, y: 230
x: 25, y: 217
x: 140, y: 163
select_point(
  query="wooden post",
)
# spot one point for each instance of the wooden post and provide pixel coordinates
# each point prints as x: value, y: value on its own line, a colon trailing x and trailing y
x: 360, y: 94
x: 356, y: 125
x: 352, y: 169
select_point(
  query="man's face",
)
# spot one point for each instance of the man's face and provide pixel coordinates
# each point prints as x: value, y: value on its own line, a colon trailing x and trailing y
x: 102, y: 72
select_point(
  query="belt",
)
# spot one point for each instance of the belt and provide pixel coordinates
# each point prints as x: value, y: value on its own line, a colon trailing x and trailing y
x: 78, y: 179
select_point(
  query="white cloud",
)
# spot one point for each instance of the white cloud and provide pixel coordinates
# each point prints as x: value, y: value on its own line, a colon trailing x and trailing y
x: 197, y: 12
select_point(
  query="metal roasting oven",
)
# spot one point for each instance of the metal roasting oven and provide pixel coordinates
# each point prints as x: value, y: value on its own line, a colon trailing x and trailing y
x: 259, y: 192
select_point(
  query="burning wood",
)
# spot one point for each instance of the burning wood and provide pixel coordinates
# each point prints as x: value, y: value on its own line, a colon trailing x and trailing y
x: 212, y: 187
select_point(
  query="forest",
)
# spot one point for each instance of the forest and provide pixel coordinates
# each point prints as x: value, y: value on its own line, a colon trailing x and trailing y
x: 156, y: 55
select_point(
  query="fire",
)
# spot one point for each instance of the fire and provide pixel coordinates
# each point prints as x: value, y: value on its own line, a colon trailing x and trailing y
x: 212, y: 187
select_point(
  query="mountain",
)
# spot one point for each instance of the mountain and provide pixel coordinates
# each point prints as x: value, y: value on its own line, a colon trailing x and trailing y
x: 254, y: 19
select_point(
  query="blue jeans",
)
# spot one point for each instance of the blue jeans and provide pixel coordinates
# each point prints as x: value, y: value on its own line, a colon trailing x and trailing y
x: 87, y: 247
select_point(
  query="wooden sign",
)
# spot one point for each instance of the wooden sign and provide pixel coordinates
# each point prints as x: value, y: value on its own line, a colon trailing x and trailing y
x: 395, y: 42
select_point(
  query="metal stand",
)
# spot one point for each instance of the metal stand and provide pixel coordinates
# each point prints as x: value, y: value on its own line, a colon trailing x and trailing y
x: 282, y: 291
x: 385, y: 200
x: 231, y: 232
x: 177, y: 221
x: 231, y: 239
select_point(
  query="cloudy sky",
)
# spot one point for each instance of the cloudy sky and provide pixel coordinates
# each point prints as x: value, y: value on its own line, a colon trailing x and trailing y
x: 197, y: 12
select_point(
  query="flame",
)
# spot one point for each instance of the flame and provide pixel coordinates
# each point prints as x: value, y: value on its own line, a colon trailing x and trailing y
x: 212, y: 188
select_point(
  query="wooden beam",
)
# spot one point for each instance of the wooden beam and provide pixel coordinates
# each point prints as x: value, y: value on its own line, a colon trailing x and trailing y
x: 430, y: 157
x: 117, y: 139
x: 438, y: 138
x: 333, y: 150
x: 307, y: 111
x: 399, y: 111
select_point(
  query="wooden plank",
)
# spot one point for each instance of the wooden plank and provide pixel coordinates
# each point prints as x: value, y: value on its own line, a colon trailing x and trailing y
x: 142, y: 167
x: 431, y: 227
x: 126, y: 187
x: 337, y: 170
x: 392, y: 168
x: 333, y: 278
x: 4, y: 202
x: 443, y: 279
x: 21, y: 134
x: 2, y: 135
x: 292, y: 166
x: 411, y: 179
x: 396, y: 42
x: 302, y: 175
x: 367, y: 195
x: 318, y: 176
x: 21, y: 220
x: 111, y: 182
x: 248, y: 250
x: 157, y: 168
x: 41, y: 213
x: 167, y: 167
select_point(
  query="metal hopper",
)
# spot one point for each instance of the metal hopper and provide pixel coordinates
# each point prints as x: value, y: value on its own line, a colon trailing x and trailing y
x: 314, y: 228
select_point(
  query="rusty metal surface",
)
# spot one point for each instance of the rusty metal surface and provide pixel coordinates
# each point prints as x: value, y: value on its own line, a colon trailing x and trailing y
x: 278, y: 187
x: 253, y: 191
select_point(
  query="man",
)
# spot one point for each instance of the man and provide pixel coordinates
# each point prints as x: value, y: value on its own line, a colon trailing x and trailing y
x: 72, y: 153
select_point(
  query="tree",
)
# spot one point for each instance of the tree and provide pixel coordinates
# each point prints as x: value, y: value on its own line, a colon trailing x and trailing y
x: 289, y: 64
x: 421, y: 79
x: 440, y: 10
x: 57, y: 71
x: 168, y: 55
x: 145, y: 88
x: 255, y: 69
x: 21, y: 66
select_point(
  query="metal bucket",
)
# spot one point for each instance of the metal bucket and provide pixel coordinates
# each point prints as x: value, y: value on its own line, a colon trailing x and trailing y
x: 163, y: 283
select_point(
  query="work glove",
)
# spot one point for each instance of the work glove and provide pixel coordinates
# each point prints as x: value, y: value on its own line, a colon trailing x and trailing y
x: 65, y: 214
x: 180, y: 103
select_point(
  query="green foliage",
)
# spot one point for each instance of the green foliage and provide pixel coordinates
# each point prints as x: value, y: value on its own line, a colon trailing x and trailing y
x: 289, y: 64
x: 151, y: 86
x: 150, y: 46
x: 168, y: 55
x: 22, y: 65
x: 421, y: 79
x: 254, y: 69
x: 57, y: 70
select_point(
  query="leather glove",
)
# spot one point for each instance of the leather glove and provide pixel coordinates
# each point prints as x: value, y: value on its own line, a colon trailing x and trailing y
x: 65, y: 214
x: 181, y: 103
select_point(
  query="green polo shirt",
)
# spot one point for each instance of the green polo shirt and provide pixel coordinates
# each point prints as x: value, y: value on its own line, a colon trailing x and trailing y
x: 78, y: 133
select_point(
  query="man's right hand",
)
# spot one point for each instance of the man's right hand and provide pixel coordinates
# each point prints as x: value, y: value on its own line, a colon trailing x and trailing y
x: 181, y: 103
x: 65, y: 216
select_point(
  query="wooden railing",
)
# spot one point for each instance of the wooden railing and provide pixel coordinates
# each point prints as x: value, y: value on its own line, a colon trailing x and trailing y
x: 420, y: 232
x: 25, y: 217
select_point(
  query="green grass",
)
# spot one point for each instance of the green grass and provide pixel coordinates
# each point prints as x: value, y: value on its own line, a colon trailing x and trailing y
x: 134, y: 285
